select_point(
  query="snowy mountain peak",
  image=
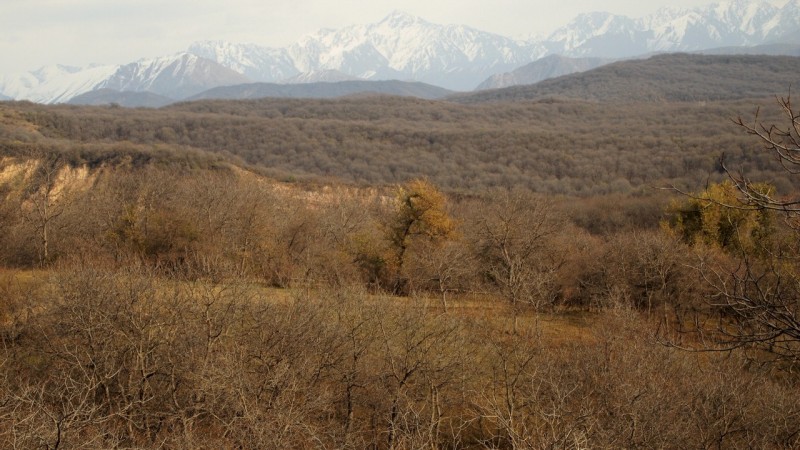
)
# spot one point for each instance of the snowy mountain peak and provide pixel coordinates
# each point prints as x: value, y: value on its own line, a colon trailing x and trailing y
x: 402, y: 19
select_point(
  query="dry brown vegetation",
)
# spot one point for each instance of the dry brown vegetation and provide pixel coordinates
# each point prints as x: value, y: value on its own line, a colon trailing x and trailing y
x: 153, y: 325
x: 121, y: 359
x: 567, y: 147
x: 161, y: 296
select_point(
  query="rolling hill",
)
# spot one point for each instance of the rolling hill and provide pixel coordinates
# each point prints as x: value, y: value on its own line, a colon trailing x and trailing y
x: 129, y: 99
x: 324, y: 90
x: 673, y: 77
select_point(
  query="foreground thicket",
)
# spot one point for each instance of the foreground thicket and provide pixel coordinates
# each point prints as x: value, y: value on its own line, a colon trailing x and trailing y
x: 125, y: 358
x: 173, y: 310
x: 214, y: 225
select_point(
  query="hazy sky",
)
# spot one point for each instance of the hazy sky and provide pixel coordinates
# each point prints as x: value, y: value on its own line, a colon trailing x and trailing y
x: 34, y: 33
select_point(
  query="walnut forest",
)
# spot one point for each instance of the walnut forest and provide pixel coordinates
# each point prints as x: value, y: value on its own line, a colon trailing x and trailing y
x: 542, y: 267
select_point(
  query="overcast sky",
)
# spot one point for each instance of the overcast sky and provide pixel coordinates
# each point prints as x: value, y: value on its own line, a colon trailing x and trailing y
x: 34, y: 33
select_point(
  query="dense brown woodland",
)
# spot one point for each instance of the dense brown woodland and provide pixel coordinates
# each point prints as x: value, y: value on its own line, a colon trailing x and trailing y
x: 555, y: 147
x: 391, y: 273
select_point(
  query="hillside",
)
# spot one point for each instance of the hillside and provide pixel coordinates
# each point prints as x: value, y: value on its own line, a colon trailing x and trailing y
x: 775, y: 49
x: 542, y: 69
x: 569, y: 147
x: 323, y: 90
x: 128, y: 99
x: 663, y: 78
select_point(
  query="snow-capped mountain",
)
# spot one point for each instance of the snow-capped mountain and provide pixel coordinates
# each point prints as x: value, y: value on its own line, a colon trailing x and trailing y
x: 253, y: 61
x: 406, y: 47
x: 178, y: 76
x: 789, y: 22
x: 53, y: 84
x: 403, y: 46
x: 721, y: 24
x: 598, y: 34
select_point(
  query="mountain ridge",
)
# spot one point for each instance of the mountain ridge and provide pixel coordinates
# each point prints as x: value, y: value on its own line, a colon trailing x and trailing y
x: 550, y: 66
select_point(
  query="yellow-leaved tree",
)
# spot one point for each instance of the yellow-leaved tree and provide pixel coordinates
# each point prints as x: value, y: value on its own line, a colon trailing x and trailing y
x: 419, y: 213
x: 716, y: 217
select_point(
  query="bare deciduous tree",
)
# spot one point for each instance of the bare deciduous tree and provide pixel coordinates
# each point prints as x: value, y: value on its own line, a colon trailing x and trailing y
x: 46, y: 203
x: 512, y: 243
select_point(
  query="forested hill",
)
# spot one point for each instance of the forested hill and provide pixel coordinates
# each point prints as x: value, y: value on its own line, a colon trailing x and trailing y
x: 324, y: 90
x: 568, y: 147
x: 672, y: 77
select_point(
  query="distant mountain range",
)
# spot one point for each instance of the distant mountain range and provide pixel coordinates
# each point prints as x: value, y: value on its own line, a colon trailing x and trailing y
x: 175, y: 77
x: 405, y: 47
